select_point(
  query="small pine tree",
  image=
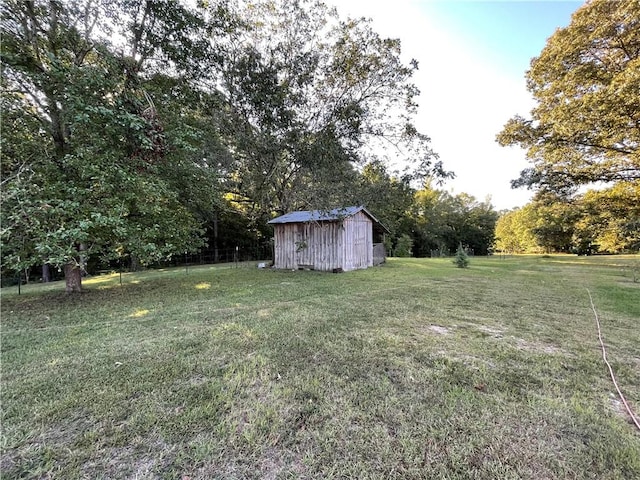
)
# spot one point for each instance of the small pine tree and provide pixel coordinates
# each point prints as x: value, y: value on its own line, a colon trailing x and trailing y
x: 461, y: 259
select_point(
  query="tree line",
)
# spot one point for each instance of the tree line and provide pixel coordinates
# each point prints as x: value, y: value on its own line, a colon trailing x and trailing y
x: 597, y: 221
x: 582, y: 138
x: 137, y: 130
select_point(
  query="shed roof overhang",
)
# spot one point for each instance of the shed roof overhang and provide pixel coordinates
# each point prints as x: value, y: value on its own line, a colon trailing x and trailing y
x: 334, y: 215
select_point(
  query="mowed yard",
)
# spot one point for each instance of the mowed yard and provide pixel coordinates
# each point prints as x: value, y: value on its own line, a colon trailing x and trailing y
x: 415, y: 369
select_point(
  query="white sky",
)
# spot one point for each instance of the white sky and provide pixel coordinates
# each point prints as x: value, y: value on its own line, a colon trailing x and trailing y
x: 466, y: 96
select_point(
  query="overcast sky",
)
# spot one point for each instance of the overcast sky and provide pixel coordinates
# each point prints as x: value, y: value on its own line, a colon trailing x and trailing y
x: 472, y: 56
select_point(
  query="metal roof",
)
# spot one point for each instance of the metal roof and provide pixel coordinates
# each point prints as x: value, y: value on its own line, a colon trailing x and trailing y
x: 323, y: 216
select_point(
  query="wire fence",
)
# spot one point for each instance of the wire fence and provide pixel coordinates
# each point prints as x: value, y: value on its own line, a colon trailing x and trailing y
x: 231, y: 255
x: 237, y: 255
x: 445, y: 252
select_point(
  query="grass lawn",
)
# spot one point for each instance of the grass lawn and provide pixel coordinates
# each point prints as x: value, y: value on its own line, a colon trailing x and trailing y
x: 415, y: 369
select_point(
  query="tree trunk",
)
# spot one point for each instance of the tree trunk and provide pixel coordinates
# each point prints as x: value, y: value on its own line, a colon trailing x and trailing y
x: 72, y: 278
x: 135, y: 264
x: 46, y: 273
x: 215, y: 238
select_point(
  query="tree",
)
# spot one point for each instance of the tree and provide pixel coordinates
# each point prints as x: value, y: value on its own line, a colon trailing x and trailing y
x: 309, y: 96
x: 388, y: 195
x: 554, y: 219
x: 404, y: 246
x: 461, y: 259
x: 94, y: 162
x: 585, y: 127
x: 514, y: 231
x: 476, y: 223
x: 609, y: 219
x: 443, y: 221
x: 605, y: 220
x: 428, y: 221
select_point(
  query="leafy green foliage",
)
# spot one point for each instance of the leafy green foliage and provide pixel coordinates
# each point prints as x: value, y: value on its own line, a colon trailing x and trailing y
x: 441, y: 221
x: 605, y: 221
x: 96, y: 168
x: 586, y: 125
x: 388, y: 195
x: 404, y: 246
x: 514, y: 231
x: 610, y: 218
x: 309, y: 97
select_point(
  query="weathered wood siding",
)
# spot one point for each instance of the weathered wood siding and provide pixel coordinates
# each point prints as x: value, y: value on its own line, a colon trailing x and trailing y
x: 325, y: 246
x: 315, y: 245
x: 358, y: 239
x: 284, y: 246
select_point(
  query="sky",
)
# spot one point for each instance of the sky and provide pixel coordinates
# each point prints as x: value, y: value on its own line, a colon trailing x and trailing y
x: 472, y: 58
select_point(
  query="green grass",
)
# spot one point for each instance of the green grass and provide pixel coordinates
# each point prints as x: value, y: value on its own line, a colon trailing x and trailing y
x: 415, y: 369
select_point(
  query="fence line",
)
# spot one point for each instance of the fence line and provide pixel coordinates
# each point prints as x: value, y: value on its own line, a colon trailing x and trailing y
x: 206, y: 257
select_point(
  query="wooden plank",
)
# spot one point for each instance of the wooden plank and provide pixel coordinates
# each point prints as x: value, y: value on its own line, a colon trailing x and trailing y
x: 347, y: 244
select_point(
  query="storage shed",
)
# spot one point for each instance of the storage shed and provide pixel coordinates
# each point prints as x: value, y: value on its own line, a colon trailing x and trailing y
x: 338, y: 240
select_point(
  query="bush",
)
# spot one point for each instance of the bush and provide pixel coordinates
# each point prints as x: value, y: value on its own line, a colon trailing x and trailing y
x: 461, y: 260
x: 404, y: 246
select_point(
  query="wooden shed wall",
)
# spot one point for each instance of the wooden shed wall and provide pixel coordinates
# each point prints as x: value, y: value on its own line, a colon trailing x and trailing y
x: 358, y: 241
x: 285, y: 246
x: 318, y: 245
x: 325, y: 245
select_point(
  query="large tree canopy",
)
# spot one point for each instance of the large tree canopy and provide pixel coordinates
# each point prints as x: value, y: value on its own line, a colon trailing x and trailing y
x: 606, y: 220
x: 311, y: 97
x: 90, y: 164
x: 585, y: 127
x: 129, y: 125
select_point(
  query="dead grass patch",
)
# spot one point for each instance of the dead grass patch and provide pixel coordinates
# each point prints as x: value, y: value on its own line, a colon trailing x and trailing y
x: 538, y: 347
x: 439, y: 329
x: 492, y: 331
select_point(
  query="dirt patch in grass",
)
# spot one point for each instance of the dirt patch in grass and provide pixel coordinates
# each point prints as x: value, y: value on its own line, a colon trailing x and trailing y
x: 127, y: 462
x: 439, y: 329
x: 66, y: 433
x: 475, y: 363
x: 197, y: 379
x: 617, y: 406
x: 619, y: 409
x: 273, y: 465
x: 494, y: 332
x: 9, y: 460
x: 537, y: 347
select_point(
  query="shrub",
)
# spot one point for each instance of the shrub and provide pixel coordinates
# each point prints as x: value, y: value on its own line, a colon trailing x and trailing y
x: 461, y: 260
x: 404, y: 246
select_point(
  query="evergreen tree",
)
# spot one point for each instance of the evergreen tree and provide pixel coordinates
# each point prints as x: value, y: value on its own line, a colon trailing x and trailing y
x: 461, y: 260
